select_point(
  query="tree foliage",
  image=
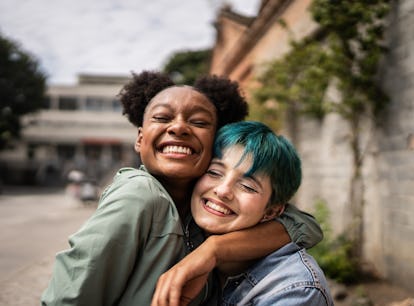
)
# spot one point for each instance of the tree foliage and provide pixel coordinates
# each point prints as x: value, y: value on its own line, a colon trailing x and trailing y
x: 355, y: 39
x: 348, y: 52
x: 186, y: 66
x: 298, y: 79
x: 22, y: 87
x: 333, y: 254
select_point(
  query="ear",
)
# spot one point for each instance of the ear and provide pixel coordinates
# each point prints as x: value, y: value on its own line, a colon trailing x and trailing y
x: 137, y: 145
x: 273, y: 212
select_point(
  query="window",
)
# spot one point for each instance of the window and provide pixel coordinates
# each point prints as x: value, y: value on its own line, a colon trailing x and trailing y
x: 94, y: 103
x: 93, y: 152
x: 66, y: 152
x: 116, y: 151
x: 116, y: 105
x: 31, y: 151
x: 46, y: 103
x: 68, y: 103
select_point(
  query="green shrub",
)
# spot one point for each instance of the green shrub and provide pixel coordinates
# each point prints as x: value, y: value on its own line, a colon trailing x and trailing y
x: 333, y: 254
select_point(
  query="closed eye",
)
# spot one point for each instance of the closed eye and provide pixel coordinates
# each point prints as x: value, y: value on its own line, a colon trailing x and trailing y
x: 161, y: 119
x: 200, y: 123
x: 249, y: 188
x: 213, y: 173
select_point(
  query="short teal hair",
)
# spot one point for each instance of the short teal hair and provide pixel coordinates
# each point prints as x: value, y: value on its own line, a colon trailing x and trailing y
x: 272, y: 154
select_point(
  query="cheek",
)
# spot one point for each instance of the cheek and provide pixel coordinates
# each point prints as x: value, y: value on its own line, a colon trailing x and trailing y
x: 207, y: 150
x: 207, y: 139
x: 253, y: 209
x: 143, y: 148
x: 205, y: 162
x: 202, y: 186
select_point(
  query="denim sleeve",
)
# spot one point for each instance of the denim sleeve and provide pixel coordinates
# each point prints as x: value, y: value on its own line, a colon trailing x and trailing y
x: 302, y: 227
x: 296, y: 295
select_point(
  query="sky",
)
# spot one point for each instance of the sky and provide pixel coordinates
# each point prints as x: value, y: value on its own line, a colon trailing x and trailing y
x: 68, y: 37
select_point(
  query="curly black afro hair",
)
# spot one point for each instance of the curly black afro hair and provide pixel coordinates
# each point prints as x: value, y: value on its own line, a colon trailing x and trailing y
x: 138, y: 92
x: 223, y: 93
x: 226, y: 97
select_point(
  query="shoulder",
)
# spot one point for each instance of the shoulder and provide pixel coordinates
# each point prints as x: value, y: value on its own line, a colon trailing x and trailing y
x: 289, y: 275
x: 133, y: 176
x: 288, y: 267
x: 296, y: 262
x: 298, y: 271
x: 312, y: 271
x: 133, y: 181
x: 136, y: 189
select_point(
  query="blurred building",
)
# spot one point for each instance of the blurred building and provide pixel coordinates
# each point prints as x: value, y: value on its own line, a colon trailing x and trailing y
x: 81, y: 128
x: 243, y: 47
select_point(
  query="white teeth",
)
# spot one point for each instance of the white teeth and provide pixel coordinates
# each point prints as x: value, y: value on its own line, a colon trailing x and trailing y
x: 176, y: 149
x: 218, y: 208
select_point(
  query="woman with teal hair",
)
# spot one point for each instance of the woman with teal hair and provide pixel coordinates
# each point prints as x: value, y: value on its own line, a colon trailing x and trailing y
x: 251, y: 178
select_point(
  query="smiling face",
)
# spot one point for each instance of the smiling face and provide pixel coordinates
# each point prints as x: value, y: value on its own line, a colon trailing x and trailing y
x: 225, y: 199
x: 176, y: 137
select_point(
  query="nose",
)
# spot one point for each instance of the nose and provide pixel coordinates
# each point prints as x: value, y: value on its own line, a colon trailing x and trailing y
x: 179, y: 127
x: 224, y: 191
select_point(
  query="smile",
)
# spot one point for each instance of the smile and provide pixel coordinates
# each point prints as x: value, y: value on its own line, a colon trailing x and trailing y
x: 217, y: 208
x: 177, y: 149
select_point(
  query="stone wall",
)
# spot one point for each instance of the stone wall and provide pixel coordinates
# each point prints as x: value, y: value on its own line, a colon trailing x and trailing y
x: 388, y: 170
x: 395, y: 143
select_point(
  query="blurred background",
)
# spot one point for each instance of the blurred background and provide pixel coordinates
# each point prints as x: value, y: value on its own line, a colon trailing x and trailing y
x: 335, y: 77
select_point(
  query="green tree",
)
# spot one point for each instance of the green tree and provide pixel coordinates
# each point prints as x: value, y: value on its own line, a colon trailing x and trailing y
x: 186, y: 66
x: 345, y: 55
x: 22, y: 87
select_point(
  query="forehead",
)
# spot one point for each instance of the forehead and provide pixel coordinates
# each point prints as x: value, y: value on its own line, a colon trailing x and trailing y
x: 182, y: 97
x: 235, y: 157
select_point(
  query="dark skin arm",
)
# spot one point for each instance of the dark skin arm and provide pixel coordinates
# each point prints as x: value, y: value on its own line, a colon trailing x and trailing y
x: 184, y: 281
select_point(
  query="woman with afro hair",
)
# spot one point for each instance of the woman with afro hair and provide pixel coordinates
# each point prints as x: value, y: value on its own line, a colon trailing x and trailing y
x: 143, y: 224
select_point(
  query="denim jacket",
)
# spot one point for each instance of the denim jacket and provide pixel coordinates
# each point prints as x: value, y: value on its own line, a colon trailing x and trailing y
x: 287, y: 277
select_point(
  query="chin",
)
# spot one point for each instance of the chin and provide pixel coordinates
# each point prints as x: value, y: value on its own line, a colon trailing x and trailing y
x: 181, y: 174
x: 215, y: 231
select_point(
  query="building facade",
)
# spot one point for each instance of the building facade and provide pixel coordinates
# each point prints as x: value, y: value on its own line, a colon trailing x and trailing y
x: 242, y: 49
x: 81, y: 128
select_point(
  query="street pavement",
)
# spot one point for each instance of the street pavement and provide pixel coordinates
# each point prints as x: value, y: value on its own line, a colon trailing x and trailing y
x: 34, y: 226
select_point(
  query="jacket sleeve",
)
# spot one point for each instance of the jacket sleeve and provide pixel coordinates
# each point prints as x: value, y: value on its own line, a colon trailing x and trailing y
x: 296, y: 296
x: 302, y: 227
x: 96, y: 267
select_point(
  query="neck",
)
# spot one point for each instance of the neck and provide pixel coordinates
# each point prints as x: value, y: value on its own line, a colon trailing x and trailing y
x: 180, y: 192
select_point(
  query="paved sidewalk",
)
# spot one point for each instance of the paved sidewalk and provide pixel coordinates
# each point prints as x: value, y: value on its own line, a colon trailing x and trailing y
x: 25, y: 287
x: 34, y: 225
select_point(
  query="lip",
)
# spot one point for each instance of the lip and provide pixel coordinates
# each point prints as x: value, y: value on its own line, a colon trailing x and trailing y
x: 216, y: 207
